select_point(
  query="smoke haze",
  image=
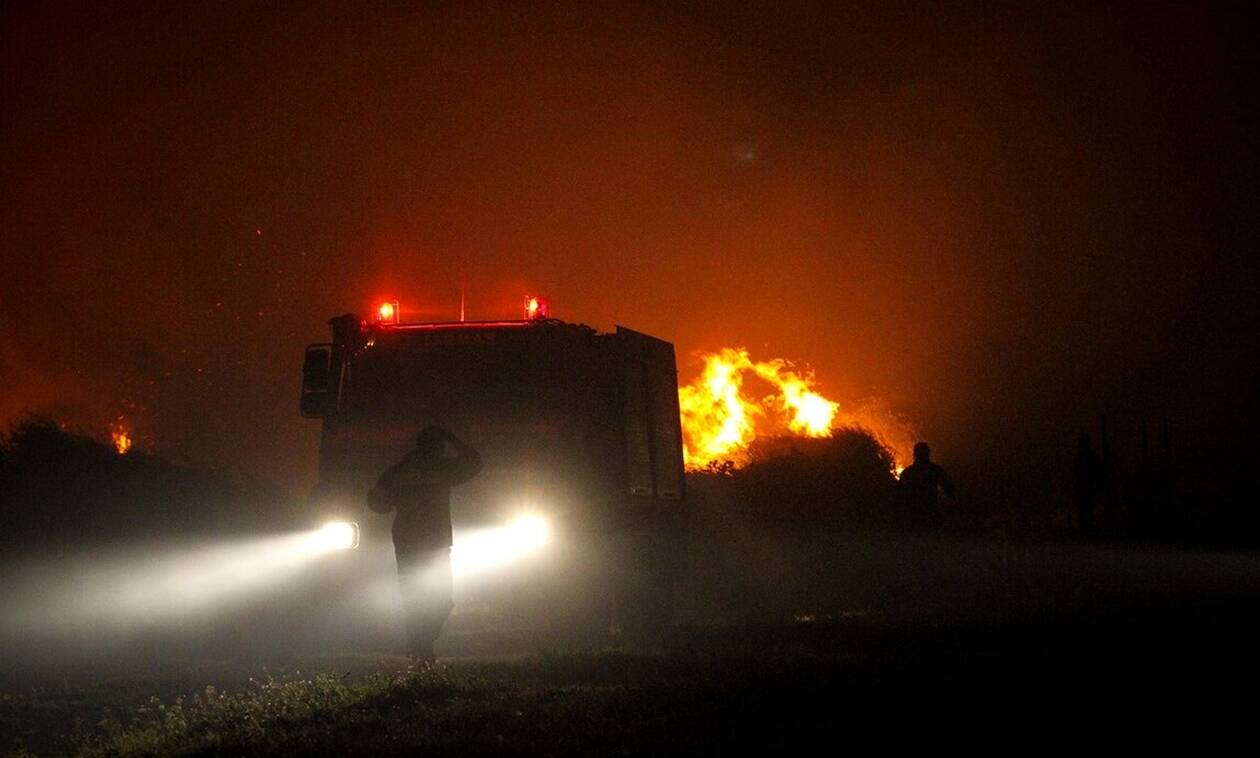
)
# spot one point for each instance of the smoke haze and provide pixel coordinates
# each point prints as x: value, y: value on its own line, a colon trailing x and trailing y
x: 998, y: 223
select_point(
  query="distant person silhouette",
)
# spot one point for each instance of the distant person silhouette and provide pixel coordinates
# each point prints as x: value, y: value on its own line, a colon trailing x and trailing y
x: 920, y: 486
x: 1087, y: 483
x: 418, y: 489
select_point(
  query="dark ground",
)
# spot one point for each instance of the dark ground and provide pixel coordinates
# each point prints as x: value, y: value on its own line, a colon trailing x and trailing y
x: 787, y: 634
x: 1128, y: 677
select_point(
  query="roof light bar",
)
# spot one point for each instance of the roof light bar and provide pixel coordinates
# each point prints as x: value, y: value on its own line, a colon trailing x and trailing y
x: 536, y: 308
x: 387, y: 312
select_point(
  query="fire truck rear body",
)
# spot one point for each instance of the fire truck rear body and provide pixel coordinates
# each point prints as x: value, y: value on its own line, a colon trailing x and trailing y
x: 574, y: 425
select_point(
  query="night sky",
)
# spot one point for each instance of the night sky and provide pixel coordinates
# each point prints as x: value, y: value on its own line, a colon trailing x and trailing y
x: 999, y: 220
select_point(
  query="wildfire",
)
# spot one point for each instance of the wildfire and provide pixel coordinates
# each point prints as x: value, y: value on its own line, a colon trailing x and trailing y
x: 121, y: 438
x: 721, y: 418
x: 719, y: 421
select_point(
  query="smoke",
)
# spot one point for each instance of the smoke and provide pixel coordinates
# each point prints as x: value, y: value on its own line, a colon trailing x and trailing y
x: 889, y: 427
x: 30, y: 387
x: 984, y: 217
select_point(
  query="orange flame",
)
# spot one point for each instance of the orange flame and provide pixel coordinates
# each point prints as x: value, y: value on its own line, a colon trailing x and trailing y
x: 719, y: 422
x: 121, y: 438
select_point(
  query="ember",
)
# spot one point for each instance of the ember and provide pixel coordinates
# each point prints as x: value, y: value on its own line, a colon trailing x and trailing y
x: 121, y: 438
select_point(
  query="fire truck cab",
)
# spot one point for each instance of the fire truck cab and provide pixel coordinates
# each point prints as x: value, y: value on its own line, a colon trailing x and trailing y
x: 573, y: 425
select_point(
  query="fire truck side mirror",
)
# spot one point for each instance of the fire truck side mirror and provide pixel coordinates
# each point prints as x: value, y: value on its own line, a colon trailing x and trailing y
x: 318, y: 398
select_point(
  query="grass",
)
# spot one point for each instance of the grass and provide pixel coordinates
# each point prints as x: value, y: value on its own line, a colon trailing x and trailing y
x: 552, y: 703
x: 768, y: 688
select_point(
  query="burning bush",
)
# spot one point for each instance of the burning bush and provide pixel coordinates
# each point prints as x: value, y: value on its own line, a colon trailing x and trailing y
x: 738, y: 404
x: 841, y: 481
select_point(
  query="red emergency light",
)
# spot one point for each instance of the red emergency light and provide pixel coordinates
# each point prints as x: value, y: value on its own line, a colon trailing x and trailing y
x: 536, y: 308
x: 387, y: 312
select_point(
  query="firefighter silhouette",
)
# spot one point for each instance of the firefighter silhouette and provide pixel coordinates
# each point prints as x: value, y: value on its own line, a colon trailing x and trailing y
x: 418, y: 490
x: 921, y: 485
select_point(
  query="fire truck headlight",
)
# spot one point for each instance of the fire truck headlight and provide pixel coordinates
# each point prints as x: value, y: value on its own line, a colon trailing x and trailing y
x: 338, y: 535
x: 528, y: 533
x: 486, y: 549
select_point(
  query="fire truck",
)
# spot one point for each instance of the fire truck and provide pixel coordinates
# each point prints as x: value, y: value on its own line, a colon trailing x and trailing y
x: 575, y: 426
